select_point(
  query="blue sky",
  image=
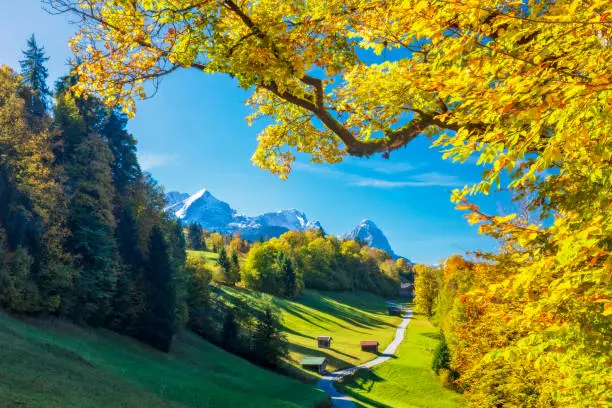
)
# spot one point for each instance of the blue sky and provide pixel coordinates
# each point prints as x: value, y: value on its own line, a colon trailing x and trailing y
x: 193, y: 135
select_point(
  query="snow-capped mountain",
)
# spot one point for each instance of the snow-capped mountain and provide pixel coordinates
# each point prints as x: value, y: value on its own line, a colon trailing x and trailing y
x: 216, y: 215
x: 369, y: 233
x: 175, y: 198
x: 203, y: 208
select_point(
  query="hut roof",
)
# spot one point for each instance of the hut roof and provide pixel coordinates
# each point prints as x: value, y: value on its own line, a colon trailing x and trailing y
x: 369, y: 343
x: 313, y: 361
x: 326, y: 338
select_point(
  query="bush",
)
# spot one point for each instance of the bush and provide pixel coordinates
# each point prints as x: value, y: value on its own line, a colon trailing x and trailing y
x: 441, y: 359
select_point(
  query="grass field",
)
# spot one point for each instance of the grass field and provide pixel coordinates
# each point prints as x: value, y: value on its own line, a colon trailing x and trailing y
x: 407, y: 381
x: 53, y: 364
x: 347, y: 317
x: 208, y: 256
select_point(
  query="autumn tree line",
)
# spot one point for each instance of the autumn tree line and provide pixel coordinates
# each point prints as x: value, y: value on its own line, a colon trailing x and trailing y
x: 83, y: 234
x: 282, y: 266
x: 299, y: 260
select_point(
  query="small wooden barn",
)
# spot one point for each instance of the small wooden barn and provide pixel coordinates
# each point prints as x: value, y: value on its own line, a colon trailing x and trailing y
x: 369, y: 345
x: 314, y: 363
x: 394, y: 311
x: 324, y: 341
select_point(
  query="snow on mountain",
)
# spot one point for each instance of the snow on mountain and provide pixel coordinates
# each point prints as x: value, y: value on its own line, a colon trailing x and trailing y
x: 203, y: 208
x: 213, y: 214
x: 175, y: 199
x: 369, y: 233
x: 216, y: 215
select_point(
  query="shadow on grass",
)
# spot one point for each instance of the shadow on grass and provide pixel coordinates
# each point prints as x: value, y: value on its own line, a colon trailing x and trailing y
x: 364, y: 381
x: 435, y: 336
x: 353, y: 315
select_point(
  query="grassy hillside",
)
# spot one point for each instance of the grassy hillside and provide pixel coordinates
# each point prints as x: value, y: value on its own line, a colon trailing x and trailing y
x: 407, y: 381
x: 347, y: 317
x: 54, y: 364
x: 210, y: 257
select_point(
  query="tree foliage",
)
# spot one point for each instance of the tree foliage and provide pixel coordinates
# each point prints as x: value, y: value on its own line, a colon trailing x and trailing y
x: 195, y: 237
x: 156, y: 325
x: 269, y: 342
x: 305, y: 259
x: 35, y: 76
x: 77, y: 215
x: 426, y: 288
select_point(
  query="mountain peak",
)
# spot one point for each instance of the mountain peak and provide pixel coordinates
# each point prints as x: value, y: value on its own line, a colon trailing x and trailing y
x: 213, y: 214
x: 367, y: 231
x: 368, y: 222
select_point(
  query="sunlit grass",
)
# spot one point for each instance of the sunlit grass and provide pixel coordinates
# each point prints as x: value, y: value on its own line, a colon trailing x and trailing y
x: 347, y: 317
x: 406, y: 381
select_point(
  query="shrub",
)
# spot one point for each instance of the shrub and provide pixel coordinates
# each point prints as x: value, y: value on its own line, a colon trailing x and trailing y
x: 441, y: 359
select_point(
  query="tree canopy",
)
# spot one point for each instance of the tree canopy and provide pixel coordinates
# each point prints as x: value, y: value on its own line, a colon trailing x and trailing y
x: 493, y: 76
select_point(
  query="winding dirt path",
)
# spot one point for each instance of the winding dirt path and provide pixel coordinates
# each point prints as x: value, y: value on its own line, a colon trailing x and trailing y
x: 326, y: 383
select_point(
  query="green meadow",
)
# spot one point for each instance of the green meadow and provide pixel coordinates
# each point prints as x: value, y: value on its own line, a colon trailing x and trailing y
x: 53, y: 364
x: 345, y: 316
x: 406, y: 381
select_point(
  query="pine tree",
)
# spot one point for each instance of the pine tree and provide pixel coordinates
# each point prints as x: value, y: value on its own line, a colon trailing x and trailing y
x: 35, y: 76
x: 156, y: 326
x: 195, y: 237
x: 127, y: 238
x: 229, y: 334
x: 92, y: 224
x: 234, y: 276
x: 289, y: 277
x: 124, y: 315
x: 225, y: 264
x: 122, y: 144
x: 269, y: 343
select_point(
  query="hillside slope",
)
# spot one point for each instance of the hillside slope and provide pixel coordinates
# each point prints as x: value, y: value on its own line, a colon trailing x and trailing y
x: 347, y: 317
x: 50, y: 364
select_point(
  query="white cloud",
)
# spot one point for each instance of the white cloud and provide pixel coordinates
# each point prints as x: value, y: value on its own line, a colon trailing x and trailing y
x: 149, y: 161
x: 390, y: 168
x: 432, y: 179
x: 418, y: 180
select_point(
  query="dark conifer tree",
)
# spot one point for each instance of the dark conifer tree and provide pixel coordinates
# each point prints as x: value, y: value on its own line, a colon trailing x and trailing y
x: 125, y: 304
x: 195, y: 237
x: 173, y: 229
x: 229, y: 334
x: 35, y: 76
x: 156, y: 326
x: 234, y: 269
x: 92, y: 224
x: 289, y: 277
x: 127, y: 238
x: 269, y: 343
x: 122, y: 144
x: 225, y: 264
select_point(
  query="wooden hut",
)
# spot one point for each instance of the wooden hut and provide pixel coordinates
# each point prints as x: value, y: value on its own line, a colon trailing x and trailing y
x: 394, y: 311
x: 314, y: 363
x: 324, y: 341
x: 369, y: 345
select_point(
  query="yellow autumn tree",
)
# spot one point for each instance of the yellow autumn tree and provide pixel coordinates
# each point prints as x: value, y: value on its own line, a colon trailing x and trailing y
x: 524, y: 86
